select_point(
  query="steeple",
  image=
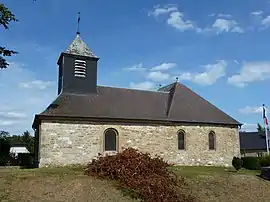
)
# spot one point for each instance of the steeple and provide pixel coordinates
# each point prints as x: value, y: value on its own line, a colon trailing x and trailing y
x: 79, y: 47
x: 77, y: 68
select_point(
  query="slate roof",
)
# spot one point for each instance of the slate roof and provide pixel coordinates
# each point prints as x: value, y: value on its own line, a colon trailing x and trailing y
x: 174, y: 103
x: 79, y: 47
x: 252, y: 140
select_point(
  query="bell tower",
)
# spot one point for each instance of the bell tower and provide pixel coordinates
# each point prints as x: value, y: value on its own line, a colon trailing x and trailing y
x: 77, y: 68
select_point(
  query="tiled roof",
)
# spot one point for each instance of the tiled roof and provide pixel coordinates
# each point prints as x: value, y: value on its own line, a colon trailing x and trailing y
x: 174, y: 102
x: 252, y: 140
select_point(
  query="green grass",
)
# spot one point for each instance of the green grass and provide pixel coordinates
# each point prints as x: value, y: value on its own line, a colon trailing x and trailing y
x: 56, y: 184
x: 224, y: 184
x: 193, y: 171
x: 70, y: 184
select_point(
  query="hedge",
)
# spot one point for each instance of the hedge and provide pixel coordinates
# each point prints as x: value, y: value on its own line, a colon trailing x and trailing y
x: 251, y: 163
x: 255, y: 163
x: 264, y: 161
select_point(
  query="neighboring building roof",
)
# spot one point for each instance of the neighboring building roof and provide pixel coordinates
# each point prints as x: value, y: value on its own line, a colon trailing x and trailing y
x: 79, y: 47
x: 174, y: 103
x: 252, y: 140
x: 17, y: 150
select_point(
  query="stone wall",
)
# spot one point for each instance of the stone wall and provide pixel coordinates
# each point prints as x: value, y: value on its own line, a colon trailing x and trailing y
x: 63, y: 143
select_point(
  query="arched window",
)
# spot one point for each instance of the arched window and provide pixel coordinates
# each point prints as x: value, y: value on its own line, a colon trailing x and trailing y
x: 110, y: 140
x: 212, y: 140
x: 181, y: 140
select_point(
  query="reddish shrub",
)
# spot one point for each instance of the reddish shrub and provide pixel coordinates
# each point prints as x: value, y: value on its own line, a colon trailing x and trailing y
x: 147, y: 177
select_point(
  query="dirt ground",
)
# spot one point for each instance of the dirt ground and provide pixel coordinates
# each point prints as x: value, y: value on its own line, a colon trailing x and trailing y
x: 68, y: 184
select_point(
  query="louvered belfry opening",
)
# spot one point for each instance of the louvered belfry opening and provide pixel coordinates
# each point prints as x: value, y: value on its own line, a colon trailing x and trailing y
x: 80, y: 68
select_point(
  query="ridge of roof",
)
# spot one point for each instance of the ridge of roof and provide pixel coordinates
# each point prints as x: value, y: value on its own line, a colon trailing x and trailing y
x: 132, y: 89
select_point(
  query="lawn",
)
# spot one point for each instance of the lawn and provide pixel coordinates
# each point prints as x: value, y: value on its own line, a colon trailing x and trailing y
x: 70, y: 184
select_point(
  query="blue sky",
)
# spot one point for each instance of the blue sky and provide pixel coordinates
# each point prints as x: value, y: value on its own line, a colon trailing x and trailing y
x: 220, y: 49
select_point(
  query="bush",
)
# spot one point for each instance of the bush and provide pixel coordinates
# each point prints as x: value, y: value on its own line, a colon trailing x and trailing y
x: 251, y: 163
x: 140, y: 175
x: 264, y: 161
x: 237, y: 163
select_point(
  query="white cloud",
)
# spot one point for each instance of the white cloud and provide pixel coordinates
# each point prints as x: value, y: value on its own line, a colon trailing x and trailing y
x: 223, y: 15
x: 251, y: 110
x: 251, y: 72
x: 174, y: 17
x: 249, y: 127
x: 146, y: 85
x: 19, y: 105
x: 212, y: 73
x: 13, y: 115
x: 257, y: 13
x: 158, y: 76
x: 36, y: 84
x: 136, y: 68
x: 4, y: 123
x: 177, y: 21
x: 158, y: 10
x: 266, y: 21
x: 223, y: 25
x: 163, y: 67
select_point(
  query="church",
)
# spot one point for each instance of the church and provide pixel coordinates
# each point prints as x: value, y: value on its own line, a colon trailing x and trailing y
x: 86, y: 120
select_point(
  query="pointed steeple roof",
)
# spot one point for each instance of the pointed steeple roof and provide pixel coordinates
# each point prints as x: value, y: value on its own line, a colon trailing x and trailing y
x: 79, y: 47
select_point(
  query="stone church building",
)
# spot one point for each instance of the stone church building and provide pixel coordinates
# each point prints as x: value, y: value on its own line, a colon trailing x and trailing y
x: 86, y: 119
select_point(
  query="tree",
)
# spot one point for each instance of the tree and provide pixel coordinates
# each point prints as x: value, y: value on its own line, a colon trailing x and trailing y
x: 260, y: 128
x: 6, y: 16
x: 28, y: 140
x: 4, y: 143
x: 25, y: 139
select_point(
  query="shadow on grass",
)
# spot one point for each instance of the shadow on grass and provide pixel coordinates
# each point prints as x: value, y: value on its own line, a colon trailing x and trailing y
x: 263, y: 178
x: 28, y: 167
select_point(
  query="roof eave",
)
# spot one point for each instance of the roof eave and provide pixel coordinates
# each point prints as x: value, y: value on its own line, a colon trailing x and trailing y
x: 165, y: 121
x: 74, y: 55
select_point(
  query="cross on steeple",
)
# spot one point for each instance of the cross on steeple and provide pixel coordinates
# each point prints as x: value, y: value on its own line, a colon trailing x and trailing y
x: 78, y: 22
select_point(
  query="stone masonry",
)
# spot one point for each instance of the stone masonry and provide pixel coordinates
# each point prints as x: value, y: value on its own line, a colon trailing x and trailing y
x: 63, y: 143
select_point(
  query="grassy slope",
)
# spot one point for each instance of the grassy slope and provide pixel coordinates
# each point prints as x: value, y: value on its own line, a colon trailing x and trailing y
x: 219, y: 184
x: 60, y: 184
x: 69, y: 184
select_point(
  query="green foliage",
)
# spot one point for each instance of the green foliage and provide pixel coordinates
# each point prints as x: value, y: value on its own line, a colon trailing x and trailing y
x: 6, y: 16
x: 259, y: 128
x: 251, y: 163
x: 237, y: 163
x: 25, y: 138
x: 264, y: 161
x: 4, y: 143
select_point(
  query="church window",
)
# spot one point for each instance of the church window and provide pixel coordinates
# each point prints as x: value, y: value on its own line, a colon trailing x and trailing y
x: 212, y: 140
x: 181, y: 140
x: 80, y: 68
x: 110, y: 139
